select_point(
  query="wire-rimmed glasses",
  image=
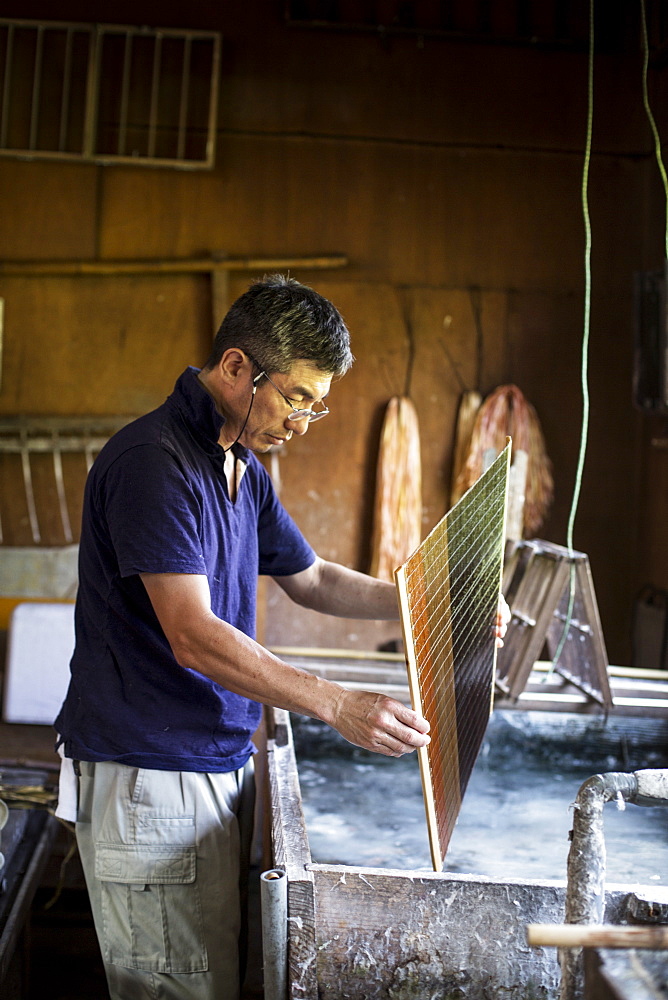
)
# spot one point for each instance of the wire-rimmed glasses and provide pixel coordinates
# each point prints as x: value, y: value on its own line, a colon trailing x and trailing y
x: 297, y: 414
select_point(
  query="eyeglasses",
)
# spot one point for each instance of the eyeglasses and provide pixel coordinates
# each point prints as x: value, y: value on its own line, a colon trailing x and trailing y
x: 297, y: 414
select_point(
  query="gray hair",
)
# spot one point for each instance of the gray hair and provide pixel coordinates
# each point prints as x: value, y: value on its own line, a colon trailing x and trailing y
x: 279, y: 321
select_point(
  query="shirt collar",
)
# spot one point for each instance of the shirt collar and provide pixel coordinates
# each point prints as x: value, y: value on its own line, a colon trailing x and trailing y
x: 198, y: 410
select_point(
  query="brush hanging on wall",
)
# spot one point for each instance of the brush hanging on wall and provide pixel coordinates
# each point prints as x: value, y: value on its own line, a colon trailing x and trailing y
x: 397, y: 519
x: 507, y: 413
x: 469, y: 405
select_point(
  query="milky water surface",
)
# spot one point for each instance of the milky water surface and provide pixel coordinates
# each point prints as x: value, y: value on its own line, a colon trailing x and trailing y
x: 367, y: 810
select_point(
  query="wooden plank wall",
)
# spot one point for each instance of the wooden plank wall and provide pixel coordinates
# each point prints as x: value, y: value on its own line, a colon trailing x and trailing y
x: 449, y: 174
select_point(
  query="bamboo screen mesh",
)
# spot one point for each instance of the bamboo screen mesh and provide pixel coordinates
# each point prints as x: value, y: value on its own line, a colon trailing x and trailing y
x: 449, y: 592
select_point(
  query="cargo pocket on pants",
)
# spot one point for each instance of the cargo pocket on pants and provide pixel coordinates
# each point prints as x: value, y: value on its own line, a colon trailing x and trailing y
x: 151, y: 911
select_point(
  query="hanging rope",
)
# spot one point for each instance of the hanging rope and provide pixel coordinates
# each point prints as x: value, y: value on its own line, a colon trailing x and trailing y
x: 584, y: 367
x: 648, y: 110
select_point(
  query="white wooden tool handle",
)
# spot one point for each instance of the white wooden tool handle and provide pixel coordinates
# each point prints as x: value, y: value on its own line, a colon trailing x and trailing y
x: 597, y: 936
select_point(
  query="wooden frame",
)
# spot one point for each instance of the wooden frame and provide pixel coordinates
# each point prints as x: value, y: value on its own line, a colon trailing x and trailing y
x: 410, y: 935
x: 449, y: 593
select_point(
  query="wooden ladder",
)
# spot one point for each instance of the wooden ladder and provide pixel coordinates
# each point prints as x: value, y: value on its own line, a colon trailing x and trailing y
x: 537, y: 583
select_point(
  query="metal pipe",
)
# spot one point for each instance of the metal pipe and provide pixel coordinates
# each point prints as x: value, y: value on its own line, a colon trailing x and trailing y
x: 36, y: 88
x: 29, y: 492
x: 213, y: 103
x: 60, y: 490
x: 155, y: 94
x: 125, y: 92
x: 274, y: 903
x: 92, y: 91
x: 6, y: 85
x: 4, y: 816
x: 652, y: 787
x: 585, y: 890
x: 67, y: 87
x: 183, y: 103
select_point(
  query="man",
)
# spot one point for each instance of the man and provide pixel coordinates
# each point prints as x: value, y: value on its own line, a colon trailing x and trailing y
x: 167, y: 680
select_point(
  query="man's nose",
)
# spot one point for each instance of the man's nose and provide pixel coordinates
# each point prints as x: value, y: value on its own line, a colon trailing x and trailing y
x: 299, y: 426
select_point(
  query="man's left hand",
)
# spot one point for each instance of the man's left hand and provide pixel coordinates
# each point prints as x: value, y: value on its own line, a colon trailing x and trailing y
x: 502, y: 621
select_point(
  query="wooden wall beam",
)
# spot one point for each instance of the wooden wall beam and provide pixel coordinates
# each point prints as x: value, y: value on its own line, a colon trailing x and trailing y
x: 41, y: 268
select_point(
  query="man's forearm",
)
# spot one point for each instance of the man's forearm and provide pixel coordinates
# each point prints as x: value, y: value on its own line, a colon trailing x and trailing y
x: 365, y: 718
x: 333, y: 589
x: 201, y: 641
x: 355, y: 595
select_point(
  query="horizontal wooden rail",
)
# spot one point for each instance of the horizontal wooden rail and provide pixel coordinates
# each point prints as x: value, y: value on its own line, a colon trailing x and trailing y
x: 313, y: 653
x: 637, y: 692
x: 185, y: 265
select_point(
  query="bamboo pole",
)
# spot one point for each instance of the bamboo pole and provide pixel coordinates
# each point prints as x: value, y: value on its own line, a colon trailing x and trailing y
x: 186, y: 265
x: 597, y: 936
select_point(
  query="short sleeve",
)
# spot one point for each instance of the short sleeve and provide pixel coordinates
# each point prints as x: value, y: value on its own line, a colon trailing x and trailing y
x: 152, y: 514
x: 283, y: 550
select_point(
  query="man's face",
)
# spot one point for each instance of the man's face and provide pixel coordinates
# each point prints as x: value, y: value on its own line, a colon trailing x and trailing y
x: 269, y: 423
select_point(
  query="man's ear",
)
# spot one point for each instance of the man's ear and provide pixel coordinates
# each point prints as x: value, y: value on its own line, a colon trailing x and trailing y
x: 233, y: 364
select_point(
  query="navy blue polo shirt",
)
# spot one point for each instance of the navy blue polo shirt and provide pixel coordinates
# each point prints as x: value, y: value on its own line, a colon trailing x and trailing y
x: 156, y: 501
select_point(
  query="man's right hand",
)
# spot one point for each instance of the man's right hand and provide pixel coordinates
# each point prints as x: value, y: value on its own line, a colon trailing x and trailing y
x: 375, y: 722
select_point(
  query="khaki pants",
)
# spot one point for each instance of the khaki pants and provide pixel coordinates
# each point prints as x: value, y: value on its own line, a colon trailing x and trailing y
x: 164, y: 853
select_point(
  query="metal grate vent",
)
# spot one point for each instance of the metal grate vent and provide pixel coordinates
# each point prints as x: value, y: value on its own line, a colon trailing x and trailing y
x: 108, y: 93
x: 51, y: 457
